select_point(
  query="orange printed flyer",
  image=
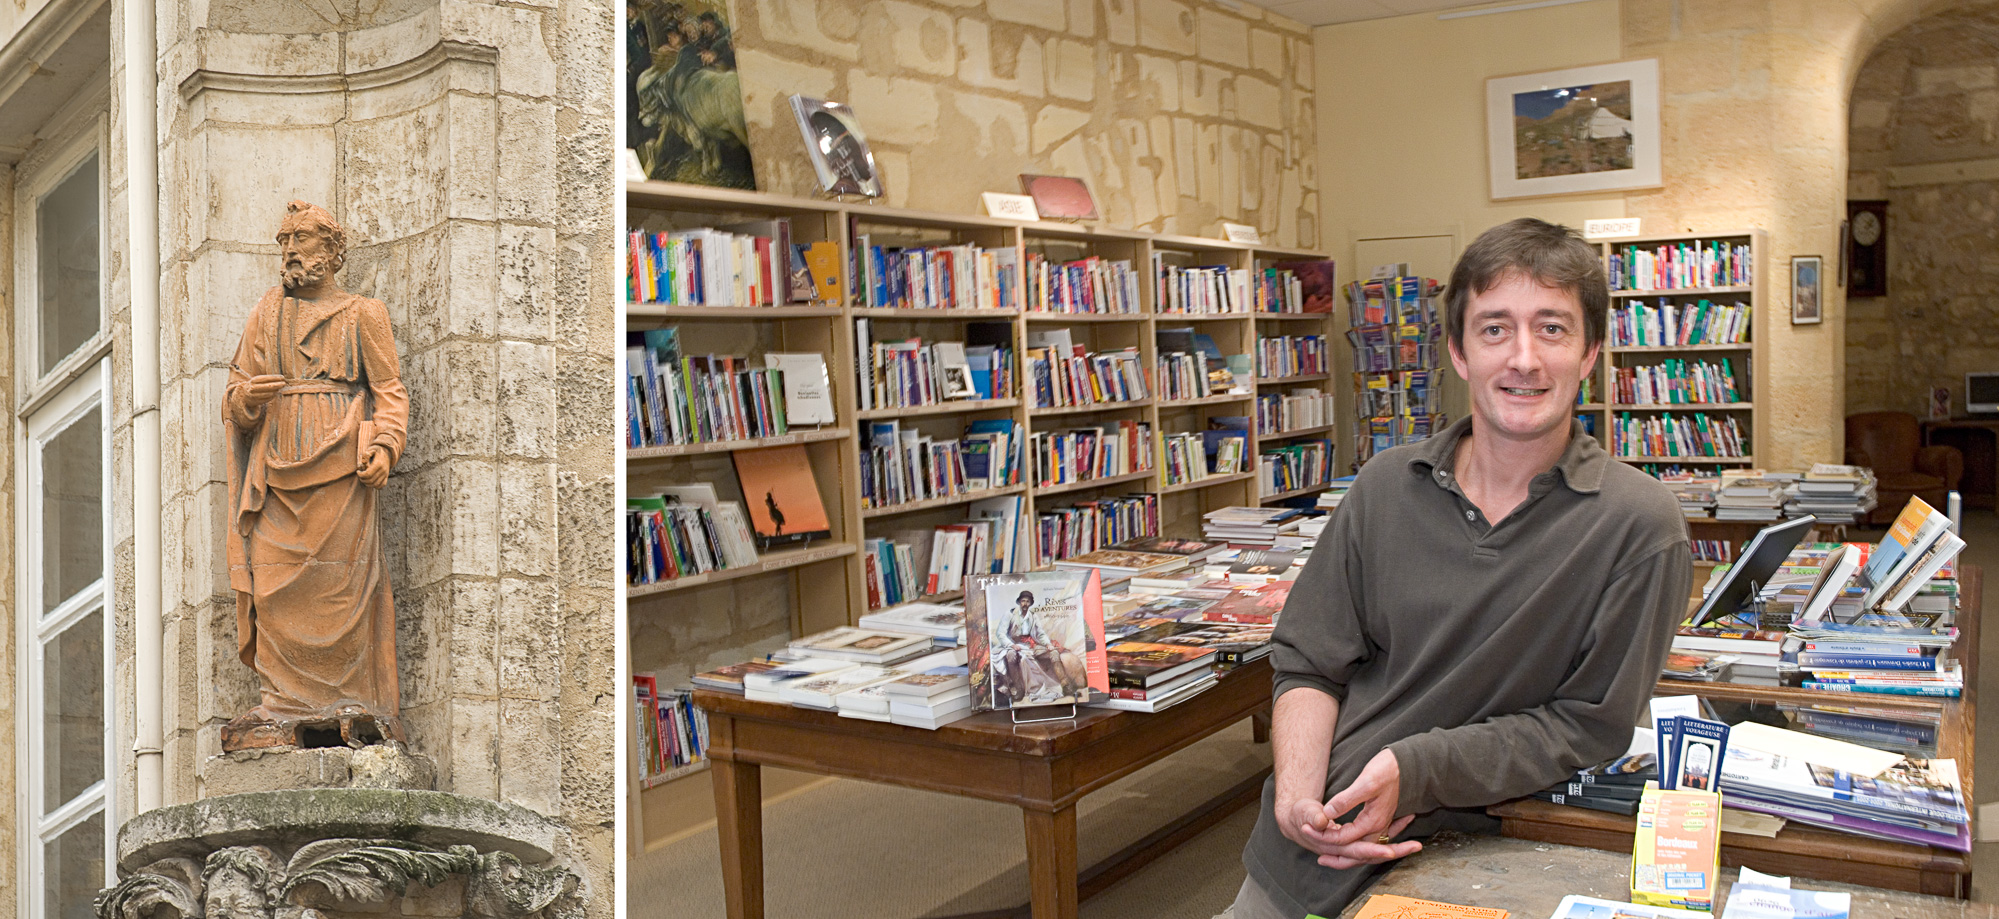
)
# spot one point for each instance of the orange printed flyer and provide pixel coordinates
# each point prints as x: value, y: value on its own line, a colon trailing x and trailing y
x: 1677, y: 851
x: 1387, y: 906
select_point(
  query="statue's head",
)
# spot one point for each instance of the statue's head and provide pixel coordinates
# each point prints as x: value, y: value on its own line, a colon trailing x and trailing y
x: 240, y: 883
x: 312, y: 244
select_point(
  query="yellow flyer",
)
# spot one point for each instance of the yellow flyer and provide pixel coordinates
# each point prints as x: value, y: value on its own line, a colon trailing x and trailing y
x: 1677, y: 851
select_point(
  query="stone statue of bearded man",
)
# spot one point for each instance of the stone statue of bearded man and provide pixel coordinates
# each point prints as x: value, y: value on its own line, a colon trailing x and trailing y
x: 316, y: 416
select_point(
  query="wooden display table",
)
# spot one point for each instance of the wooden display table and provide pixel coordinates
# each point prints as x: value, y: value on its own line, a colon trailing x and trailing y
x: 1799, y: 849
x: 1530, y: 879
x: 1044, y: 769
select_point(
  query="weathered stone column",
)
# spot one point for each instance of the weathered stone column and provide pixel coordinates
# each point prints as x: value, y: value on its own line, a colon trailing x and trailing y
x: 466, y: 148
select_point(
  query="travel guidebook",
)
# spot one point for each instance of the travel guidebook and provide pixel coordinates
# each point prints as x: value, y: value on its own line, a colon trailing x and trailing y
x: 1035, y: 638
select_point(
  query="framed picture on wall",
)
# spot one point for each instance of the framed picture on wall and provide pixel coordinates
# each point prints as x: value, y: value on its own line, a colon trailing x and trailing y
x: 1584, y: 129
x: 1807, y: 283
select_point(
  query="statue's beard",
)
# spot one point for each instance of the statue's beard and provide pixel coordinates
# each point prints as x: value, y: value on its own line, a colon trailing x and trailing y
x: 305, y: 272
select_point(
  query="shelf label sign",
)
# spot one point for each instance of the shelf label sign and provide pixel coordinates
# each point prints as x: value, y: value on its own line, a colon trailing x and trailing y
x: 1610, y: 229
x: 1010, y: 207
x: 1238, y: 233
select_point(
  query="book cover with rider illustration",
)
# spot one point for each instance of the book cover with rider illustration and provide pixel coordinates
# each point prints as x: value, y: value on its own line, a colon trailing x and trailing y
x: 1035, y: 638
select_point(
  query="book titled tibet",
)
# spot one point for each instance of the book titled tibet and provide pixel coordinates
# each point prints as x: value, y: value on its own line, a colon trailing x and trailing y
x: 1035, y: 638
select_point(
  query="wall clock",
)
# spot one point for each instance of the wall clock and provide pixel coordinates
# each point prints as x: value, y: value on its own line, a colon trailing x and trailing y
x: 1867, y: 262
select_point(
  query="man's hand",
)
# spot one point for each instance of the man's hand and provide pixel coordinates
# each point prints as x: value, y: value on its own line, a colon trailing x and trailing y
x: 1376, y: 792
x: 374, y: 472
x: 262, y: 388
x: 1304, y: 822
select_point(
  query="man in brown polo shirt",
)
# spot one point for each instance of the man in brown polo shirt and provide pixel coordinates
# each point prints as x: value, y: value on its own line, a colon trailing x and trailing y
x: 1485, y: 613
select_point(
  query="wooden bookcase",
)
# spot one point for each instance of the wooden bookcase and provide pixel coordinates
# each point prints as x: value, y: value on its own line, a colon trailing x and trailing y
x: 799, y: 591
x: 1746, y: 359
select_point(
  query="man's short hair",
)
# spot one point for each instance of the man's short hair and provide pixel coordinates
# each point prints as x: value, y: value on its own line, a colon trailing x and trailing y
x: 1552, y: 254
x: 313, y: 217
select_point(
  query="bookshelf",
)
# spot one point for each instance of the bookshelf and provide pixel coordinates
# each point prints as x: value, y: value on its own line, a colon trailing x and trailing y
x: 1741, y: 356
x: 698, y: 622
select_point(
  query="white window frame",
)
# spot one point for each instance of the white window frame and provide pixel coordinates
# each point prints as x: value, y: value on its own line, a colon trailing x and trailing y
x: 38, y: 179
x: 49, y: 402
x: 59, y: 414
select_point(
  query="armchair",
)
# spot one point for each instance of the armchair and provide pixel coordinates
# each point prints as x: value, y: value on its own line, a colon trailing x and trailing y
x: 1890, y: 443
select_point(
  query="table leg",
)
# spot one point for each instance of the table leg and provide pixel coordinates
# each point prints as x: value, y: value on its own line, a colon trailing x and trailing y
x: 1051, y: 862
x: 739, y: 827
x: 1259, y: 727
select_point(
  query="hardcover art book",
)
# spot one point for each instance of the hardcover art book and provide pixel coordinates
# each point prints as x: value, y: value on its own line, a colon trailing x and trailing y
x: 782, y: 497
x: 1035, y: 638
x: 1060, y: 197
x: 837, y: 147
x: 684, y: 101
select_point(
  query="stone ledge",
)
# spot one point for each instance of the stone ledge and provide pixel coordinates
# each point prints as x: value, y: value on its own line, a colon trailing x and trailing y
x: 298, y: 817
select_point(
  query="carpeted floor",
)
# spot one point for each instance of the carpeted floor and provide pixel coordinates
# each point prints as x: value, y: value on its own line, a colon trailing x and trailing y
x: 853, y: 850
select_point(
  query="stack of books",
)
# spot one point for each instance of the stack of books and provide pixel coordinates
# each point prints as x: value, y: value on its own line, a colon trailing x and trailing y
x: 860, y: 646
x: 1150, y: 676
x: 1848, y: 787
x: 929, y: 699
x: 1758, y: 653
x: 1875, y: 659
x: 1908, y: 731
x: 1833, y: 494
x: 944, y: 624
x: 1754, y: 499
x: 1250, y: 525
x: 1695, y: 492
x: 1336, y: 491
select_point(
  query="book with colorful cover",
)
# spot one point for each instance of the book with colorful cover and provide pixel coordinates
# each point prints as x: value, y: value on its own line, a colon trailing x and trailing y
x: 1676, y: 854
x: 1389, y: 906
x: 1143, y: 665
x: 781, y: 495
x: 1035, y: 638
x: 1258, y: 604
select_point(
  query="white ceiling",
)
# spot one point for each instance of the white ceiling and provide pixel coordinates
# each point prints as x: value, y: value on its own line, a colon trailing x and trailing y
x: 1328, y: 12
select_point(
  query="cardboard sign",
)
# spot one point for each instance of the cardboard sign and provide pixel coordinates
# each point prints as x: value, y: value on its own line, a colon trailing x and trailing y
x: 1238, y: 233
x: 1610, y: 229
x: 1010, y: 207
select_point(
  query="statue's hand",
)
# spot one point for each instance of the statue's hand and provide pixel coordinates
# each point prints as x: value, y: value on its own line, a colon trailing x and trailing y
x: 262, y: 388
x: 375, y: 472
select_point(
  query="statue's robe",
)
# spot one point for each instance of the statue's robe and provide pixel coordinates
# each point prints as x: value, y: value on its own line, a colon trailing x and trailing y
x: 314, y: 616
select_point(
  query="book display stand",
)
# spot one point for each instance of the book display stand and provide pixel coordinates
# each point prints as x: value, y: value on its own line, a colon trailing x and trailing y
x: 689, y: 623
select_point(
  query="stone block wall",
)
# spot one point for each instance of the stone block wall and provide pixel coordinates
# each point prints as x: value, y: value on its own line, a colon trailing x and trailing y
x: 466, y: 147
x: 1924, y: 135
x: 1178, y: 114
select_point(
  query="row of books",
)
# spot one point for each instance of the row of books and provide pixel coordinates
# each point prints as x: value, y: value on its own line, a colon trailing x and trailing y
x: 678, y: 533
x: 1227, y: 373
x: 939, y: 277
x: 904, y: 566
x: 1382, y: 432
x: 1185, y: 376
x: 1068, y: 376
x: 1676, y: 266
x: 1086, y: 526
x: 901, y: 465
x: 1091, y: 285
x: 1294, y: 466
x: 911, y: 373
x: 1203, y: 290
x: 672, y: 732
x: 1100, y: 451
x: 1700, y: 323
x: 745, y: 265
x: 1668, y: 434
x: 1674, y: 381
x: 1297, y: 287
x: 1301, y: 409
x: 672, y: 398
x: 1193, y: 456
x: 1586, y: 392
x: 1291, y: 355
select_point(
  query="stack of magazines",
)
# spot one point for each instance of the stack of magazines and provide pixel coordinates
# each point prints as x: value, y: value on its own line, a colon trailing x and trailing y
x: 1833, y: 494
x: 1842, y: 786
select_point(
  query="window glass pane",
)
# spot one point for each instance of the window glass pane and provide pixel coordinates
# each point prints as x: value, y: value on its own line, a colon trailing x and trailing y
x: 66, y: 242
x: 73, y: 711
x: 74, y: 866
x: 72, y: 510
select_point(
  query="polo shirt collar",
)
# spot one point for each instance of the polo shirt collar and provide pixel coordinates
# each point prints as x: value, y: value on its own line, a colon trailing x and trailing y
x: 1582, y: 464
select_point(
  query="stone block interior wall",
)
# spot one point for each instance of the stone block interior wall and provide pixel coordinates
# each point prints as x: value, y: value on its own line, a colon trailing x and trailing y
x: 1178, y: 114
x: 1924, y: 135
x: 467, y: 149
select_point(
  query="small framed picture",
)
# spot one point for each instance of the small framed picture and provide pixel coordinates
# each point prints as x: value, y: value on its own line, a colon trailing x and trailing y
x: 1807, y: 300
x: 1940, y: 403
